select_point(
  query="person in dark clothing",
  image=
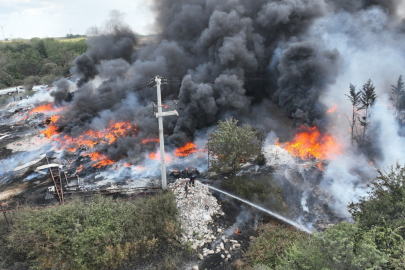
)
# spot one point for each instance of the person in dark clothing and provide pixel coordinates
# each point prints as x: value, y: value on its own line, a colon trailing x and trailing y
x: 186, y: 189
x: 20, y: 97
x: 192, y: 180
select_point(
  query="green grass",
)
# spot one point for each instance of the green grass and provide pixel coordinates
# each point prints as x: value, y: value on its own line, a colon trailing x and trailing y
x: 71, y: 39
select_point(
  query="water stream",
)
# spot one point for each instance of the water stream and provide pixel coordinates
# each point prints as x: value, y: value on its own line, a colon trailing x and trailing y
x: 286, y: 220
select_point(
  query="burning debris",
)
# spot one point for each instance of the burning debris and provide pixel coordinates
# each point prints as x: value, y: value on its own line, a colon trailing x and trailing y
x: 310, y: 143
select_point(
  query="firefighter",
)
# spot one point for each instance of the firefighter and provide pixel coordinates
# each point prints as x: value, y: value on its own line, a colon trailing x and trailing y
x: 192, y: 180
x: 186, y: 189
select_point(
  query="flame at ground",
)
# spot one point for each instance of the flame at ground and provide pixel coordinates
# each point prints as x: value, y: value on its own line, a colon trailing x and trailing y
x: 310, y: 143
x: 100, y: 159
x: 186, y: 150
x: 48, y: 108
x: 90, y: 139
x: 145, y: 141
x: 156, y: 156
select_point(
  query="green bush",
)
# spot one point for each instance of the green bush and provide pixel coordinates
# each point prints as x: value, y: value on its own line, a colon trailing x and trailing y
x: 343, y: 246
x: 100, y: 234
x: 265, y: 250
x: 260, y: 188
x: 260, y: 159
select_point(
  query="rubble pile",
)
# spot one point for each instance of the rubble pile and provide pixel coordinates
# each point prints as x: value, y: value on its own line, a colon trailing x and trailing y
x: 196, y: 213
x: 277, y: 156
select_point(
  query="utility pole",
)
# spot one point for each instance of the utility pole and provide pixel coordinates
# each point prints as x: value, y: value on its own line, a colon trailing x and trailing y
x: 160, y: 114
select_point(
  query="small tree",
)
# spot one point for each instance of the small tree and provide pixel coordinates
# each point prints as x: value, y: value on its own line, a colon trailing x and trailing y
x: 367, y: 100
x: 398, y: 91
x: 231, y: 144
x: 354, y: 97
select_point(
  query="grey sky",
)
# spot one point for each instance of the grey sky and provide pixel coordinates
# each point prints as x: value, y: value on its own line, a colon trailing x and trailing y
x: 56, y: 18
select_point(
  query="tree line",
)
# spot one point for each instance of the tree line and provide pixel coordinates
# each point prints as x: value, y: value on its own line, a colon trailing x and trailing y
x: 37, y: 61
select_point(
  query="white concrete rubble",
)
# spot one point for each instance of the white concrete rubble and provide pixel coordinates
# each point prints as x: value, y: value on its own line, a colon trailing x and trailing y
x: 196, y: 211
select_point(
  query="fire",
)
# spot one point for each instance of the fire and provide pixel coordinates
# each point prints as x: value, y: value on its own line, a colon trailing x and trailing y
x: 237, y: 231
x: 90, y: 139
x: 310, y: 143
x: 100, y: 159
x: 50, y: 131
x: 42, y: 109
x: 48, y: 108
x: 320, y: 166
x: 333, y: 109
x: 145, y: 141
x: 186, y: 150
x: 156, y: 156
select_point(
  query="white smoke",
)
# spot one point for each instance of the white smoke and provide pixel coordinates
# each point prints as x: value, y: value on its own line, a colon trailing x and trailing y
x: 371, y: 48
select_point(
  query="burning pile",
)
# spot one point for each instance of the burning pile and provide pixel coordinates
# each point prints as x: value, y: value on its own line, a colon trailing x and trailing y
x: 93, y: 143
x: 309, y: 143
x: 187, y: 150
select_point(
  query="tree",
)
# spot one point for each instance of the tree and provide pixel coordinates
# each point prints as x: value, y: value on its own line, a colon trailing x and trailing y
x: 231, y: 144
x: 367, y: 100
x: 354, y: 97
x: 383, y: 210
x: 398, y: 91
x: 385, y: 203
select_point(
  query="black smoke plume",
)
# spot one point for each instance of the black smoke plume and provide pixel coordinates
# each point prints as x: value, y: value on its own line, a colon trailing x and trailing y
x: 222, y: 58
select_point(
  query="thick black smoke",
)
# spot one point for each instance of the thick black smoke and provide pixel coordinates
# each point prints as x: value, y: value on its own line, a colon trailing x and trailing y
x: 223, y: 58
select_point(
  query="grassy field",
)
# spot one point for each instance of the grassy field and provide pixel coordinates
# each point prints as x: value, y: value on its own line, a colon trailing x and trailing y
x: 71, y: 39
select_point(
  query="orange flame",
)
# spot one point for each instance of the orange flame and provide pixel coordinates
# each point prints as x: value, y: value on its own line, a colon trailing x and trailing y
x: 100, y: 159
x: 237, y: 231
x: 145, y: 141
x: 310, y: 143
x: 43, y: 108
x: 50, y: 131
x: 186, y: 150
x: 91, y: 138
x: 320, y: 166
x: 333, y: 109
x: 48, y: 108
x: 156, y: 156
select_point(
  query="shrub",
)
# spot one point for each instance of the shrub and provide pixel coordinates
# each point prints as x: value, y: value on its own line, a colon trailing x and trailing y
x: 261, y: 188
x: 265, y: 250
x: 343, y: 246
x: 100, y: 234
x: 260, y: 159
